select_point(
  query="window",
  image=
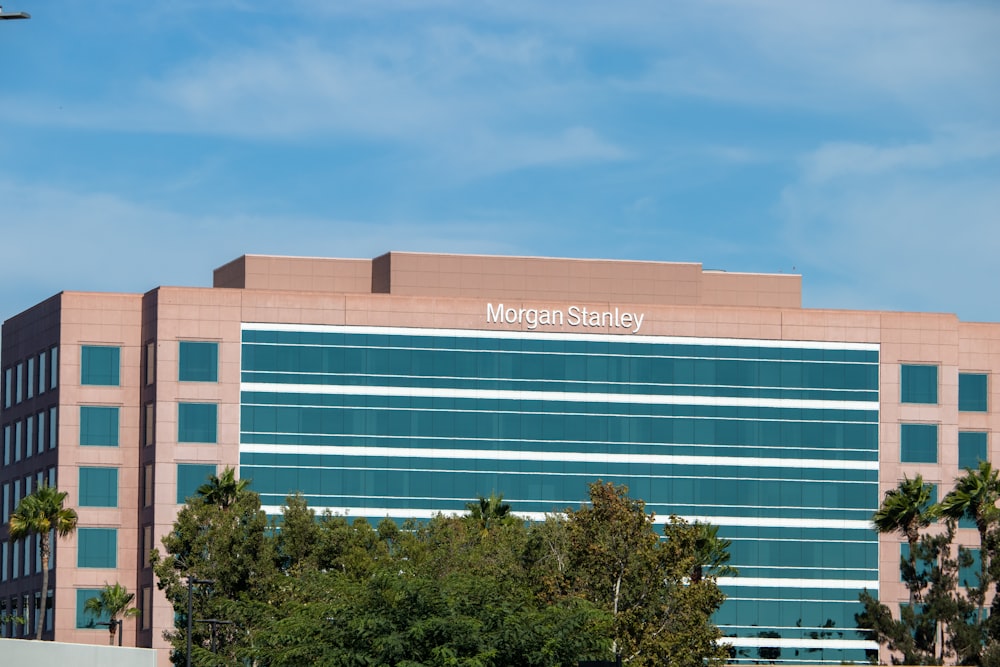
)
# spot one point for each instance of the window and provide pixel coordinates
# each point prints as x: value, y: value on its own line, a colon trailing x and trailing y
x: 6, y: 502
x: 968, y: 577
x: 972, y: 392
x: 3, y: 568
x: 6, y: 445
x: 189, y: 477
x: 150, y: 363
x: 149, y: 431
x: 98, y: 487
x: 919, y: 384
x: 17, y: 441
x: 85, y: 619
x: 53, y: 432
x: 54, y: 368
x: 918, y: 443
x: 99, y: 365
x: 147, y: 545
x: 8, y: 386
x: 97, y: 547
x: 31, y: 377
x: 196, y: 422
x: 19, y: 384
x: 971, y: 449
x: 99, y: 425
x: 41, y: 417
x: 147, y: 485
x: 29, y: 443
x: 147, y: 607
x: 199, y: 361
x: 42, y: 377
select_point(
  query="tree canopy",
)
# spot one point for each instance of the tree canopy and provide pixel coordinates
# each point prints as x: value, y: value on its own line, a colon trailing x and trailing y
x: 42, y: 513
x: 481, y: 590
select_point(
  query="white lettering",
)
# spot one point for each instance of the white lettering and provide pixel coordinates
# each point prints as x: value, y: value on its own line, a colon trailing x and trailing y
x: 574, y: 316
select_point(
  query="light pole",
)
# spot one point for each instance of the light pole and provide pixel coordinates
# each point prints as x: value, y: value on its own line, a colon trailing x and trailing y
x: 108, y: 624
x: 214, y: 623
x: 191, y: 582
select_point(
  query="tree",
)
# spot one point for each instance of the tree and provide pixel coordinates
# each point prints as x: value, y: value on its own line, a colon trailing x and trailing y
x: 223, y: 490
x: 231, y: 547
x: 114, y: 601
x: 711, y: 553
x: 489, y: 512
x: 905, y: 509
x: 40, y: 513
x: 975, y: 497
x: 617, y: 561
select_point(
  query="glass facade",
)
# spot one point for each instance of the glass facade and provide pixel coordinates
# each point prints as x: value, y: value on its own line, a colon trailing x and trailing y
x: 918, y: 384
x: 972, y: 392
x: 189, y: 477
x: 196, y: 422
x: 972, y: 447
x: 85, y: 619
x: 99, y: 425
x: 99, y: 365
x: 198, y: 361
x: 775, y: 442
x: 918, y: 443
x: 97, y: 547
x: 98, y: 487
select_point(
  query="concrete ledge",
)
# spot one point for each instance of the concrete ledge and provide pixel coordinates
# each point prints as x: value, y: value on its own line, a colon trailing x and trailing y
x: 30, y: 652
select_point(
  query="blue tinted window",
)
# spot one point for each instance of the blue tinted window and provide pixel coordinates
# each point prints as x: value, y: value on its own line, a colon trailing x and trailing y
x: 97, y: 547
x: 99, y: 425
x: 918, y: 443
x: 199, y: 361
x: 98, y: 487
x: 189, y: 477
x: 968, y: 576
x: 85, y: 619
x: 923, y: 567
x: 919, y: 384
x: 972, y: 392
x: 99, y: 365
x: 971, y: 449
x: 196, y: 422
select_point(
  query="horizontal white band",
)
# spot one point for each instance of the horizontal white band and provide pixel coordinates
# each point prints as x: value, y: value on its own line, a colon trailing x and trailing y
x: 574, y: 457
x: 508, y: 334
x: 659, y: 519
x: 781, y: 642
x: 564, y: 396
x: 781, y: 582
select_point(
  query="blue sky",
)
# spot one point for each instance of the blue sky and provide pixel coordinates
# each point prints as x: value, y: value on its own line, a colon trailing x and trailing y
x: 854, y: 142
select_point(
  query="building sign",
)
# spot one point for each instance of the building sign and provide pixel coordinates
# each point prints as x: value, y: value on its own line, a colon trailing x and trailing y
x: 574, y: 316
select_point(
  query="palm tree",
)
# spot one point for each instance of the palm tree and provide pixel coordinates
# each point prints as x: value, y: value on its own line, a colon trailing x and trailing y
x: 975, y: 497
x: 223, y: 490
x: 489, y: 512
x: 113, y: 602
x: 906, y: 510
x: 711, y: 553
x: 40, y: 513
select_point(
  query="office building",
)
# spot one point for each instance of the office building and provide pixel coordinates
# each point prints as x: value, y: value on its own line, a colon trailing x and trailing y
x: 412, y: 383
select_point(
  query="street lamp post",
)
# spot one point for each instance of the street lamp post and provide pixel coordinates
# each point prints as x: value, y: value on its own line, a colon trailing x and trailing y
x: 214, y: 623
x: 108, y: 624
x: 191, y: 582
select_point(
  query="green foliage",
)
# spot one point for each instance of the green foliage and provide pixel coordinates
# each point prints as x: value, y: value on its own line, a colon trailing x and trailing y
x: 114, y: 602
x: 41, y: 513
x: 486, y: 589
x: 943, y: 620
